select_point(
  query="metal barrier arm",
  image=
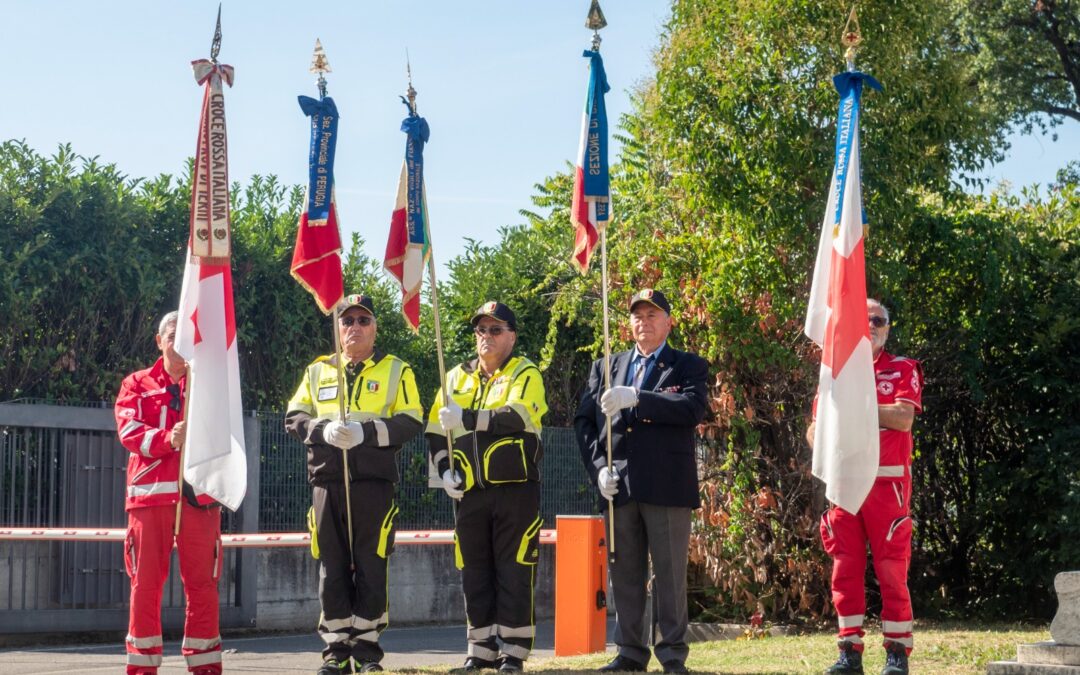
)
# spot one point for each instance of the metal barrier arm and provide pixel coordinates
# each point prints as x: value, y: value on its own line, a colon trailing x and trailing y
x: 252, y: 540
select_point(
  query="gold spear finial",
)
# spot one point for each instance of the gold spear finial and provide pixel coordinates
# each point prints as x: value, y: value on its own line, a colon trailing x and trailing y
x: 852, y: 38
x: 215, y: 43
x: 320, y: 65
x: 595, y: 21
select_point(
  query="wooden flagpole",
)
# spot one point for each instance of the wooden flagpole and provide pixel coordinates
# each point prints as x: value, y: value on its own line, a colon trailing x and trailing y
x: 596, y: 21
x: 320, y: 66
x: 183, y: 447
x: 434, y: 297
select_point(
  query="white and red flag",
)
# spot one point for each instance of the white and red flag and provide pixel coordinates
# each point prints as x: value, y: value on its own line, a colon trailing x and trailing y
x: 408, y: 248
x: 590, y: 209
x: 846, y: 438
x: 214, y: 455
x: 316, y: 262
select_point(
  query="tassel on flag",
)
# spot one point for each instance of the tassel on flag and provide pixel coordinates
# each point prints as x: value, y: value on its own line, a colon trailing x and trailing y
x: 214, y: 460
x: 316, y: 262
x: 409, y: 244
x: 590, y: 210
x: 846, y: 437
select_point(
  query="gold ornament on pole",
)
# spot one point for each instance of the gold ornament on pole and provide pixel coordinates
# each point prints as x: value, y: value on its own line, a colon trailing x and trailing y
x: 852, y: 38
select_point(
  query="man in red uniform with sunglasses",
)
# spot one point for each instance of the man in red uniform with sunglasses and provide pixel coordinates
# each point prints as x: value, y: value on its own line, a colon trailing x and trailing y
x: 149, y: 419
x: 883, y: 521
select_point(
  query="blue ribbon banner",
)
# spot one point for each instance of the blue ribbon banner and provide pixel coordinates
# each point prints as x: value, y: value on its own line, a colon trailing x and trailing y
x: 324, y: 122
x: 595, y: 168
x: 850, y: 85
x: 418, y: 133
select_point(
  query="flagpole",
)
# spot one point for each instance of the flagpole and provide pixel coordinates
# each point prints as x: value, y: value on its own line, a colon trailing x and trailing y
x: 320, y: 66
x: 183, y: 449
x: 215, y: 49
x: 596, y: 21
x: 434, y: 298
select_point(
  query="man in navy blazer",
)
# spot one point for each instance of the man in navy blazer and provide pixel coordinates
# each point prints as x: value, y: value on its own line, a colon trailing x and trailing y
x: 656, y: 400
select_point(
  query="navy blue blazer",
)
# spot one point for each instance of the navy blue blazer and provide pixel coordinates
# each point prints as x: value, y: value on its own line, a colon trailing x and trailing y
x: 653, y: 442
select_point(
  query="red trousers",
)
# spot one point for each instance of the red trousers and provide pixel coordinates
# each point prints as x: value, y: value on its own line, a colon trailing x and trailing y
x: 884, y: 521
x: 146, y: 555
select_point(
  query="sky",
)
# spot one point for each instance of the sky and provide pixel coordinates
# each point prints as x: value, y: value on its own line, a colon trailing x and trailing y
x: 502, y: 85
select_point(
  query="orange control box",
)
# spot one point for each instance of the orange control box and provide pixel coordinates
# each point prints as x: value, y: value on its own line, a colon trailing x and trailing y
x: 580, y: 585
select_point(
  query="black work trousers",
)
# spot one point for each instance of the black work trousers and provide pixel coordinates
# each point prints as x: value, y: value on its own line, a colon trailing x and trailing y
x: 354, y: 596
x: 498, y: 537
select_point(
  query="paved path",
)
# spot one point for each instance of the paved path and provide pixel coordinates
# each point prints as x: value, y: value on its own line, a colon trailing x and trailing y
x: 409, y: 647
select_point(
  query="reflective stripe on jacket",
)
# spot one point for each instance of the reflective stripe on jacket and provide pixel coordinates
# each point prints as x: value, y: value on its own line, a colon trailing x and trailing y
x: 146, y: 412
x: 501, y: 416
x: 382, y: 395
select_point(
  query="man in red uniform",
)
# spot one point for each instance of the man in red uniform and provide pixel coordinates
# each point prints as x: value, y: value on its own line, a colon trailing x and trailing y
x: 149, y: 418
x: 883, y: 521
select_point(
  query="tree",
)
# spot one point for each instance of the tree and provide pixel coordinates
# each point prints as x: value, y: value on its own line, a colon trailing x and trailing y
x: 1029, y: 56
x: 89, y: 258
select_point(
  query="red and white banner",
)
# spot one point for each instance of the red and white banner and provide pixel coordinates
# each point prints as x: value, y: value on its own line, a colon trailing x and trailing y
x: 846, y: 437
x: 214, y: 458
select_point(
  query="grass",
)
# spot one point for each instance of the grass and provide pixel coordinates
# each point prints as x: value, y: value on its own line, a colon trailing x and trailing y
x: 951, y: 649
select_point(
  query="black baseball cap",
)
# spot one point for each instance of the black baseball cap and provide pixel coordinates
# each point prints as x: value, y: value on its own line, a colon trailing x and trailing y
x: 654, y: 298
x: 358, y: 300
x: 497, y: 311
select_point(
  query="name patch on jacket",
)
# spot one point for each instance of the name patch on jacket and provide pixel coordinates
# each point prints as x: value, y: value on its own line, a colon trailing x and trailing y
x: 498, y: 386
x: 327, y: 393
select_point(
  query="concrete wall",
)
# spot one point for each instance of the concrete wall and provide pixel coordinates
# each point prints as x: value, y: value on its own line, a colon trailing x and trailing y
x: 425, y: 587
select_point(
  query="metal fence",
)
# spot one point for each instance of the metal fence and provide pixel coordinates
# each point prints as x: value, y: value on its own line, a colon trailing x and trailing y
x: 63, y: 467
x: 285, y: 495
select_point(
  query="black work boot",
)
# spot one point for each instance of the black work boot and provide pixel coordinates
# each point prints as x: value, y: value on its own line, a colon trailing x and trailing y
x: 895, y: 659
x: 510, y: 664
x: 473, y: 664
x: 849, y: 663
x: 334, y: 667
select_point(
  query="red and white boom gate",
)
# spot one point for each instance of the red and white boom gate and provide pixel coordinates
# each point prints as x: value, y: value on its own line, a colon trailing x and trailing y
x: 580, y: 573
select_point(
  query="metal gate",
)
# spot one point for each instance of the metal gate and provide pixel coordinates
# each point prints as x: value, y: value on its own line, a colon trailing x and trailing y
x: 64, y: 467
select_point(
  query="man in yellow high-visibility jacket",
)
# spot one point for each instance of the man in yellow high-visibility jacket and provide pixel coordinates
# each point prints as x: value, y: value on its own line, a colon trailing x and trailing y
x: 383, y: 413
x: 496, y: 402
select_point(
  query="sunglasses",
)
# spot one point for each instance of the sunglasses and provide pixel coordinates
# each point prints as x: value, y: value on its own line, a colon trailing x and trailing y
x: 174, y: 396
x: 879, y: 321
x: 361, y: 320
x: 493, y: 331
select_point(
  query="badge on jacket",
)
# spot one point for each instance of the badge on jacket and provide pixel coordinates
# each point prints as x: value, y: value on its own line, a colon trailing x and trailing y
x: 327, y: 393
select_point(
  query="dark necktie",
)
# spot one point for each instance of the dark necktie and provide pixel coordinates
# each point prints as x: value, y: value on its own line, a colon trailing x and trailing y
x: 643, y: 367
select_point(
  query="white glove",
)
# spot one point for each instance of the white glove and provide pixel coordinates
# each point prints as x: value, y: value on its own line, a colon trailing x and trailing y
x: 617, y: 398
x: 343, y: 435
x: 608, y: 482
x: 450, y: 416
x: 451, y: 482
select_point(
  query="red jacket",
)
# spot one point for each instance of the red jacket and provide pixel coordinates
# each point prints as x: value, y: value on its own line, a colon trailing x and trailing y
x: 146, y: 411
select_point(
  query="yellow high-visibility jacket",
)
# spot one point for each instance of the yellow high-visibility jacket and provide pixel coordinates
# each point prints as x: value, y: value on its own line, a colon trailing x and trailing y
x: 501, y: 415
x: 381, y: 394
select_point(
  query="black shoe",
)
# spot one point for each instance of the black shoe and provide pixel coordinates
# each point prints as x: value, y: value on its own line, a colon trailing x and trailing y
x: 849, y: 663
x: 510, y: 664
x: 473, y: 664
x: 368, y: 666
x: 675, y: 666
x: 623, y: 664
x: 895, y: 659
x: 332, y: 667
